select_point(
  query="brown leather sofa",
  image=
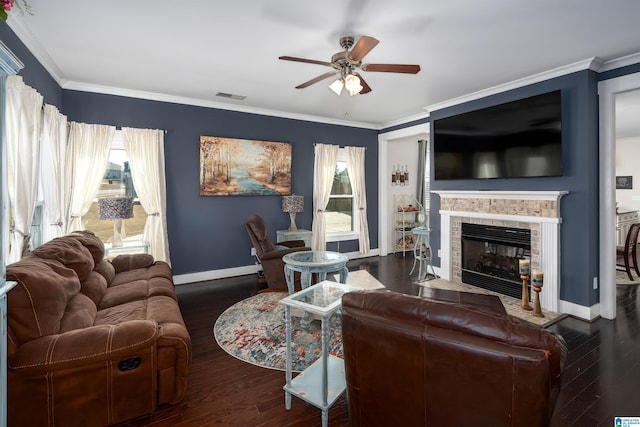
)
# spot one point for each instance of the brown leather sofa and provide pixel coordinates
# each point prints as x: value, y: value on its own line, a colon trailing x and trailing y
x: 449, y: 359
x: 92, y: 342
x: 269, y: 254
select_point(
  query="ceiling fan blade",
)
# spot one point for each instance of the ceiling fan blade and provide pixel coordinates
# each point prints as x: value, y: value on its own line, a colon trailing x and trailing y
x: 317, y: 79
x: 365, y: 87
x: 392, y: 68
x: 309, y: 61
x: 362, y: 47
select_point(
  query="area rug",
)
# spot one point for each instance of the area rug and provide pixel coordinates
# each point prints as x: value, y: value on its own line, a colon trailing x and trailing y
x: 623, y: 280
x: 253, y: 330
x: 359, y: 279
x: 512, y: 305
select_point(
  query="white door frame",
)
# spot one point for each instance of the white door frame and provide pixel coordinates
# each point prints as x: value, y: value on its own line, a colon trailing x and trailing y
x: 607, y: 91
x: 383, y: 194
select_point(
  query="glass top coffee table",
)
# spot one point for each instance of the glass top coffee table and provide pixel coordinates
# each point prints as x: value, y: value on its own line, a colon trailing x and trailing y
x: 324, y: 381
x: 309, y: 262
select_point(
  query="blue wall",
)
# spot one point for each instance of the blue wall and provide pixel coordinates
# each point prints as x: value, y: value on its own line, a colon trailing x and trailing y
x: 207, y: 233
x: 579, y: 208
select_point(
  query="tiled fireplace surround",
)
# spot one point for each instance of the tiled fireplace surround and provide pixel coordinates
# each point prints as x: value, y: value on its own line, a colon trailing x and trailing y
x: 538, y: 211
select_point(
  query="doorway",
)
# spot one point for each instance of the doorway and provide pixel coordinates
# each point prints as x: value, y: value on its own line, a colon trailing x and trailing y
x: 610, y: 93
x: 415, y: 133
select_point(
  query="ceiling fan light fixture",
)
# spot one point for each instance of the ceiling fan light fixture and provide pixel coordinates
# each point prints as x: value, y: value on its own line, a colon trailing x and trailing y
x: 337, y: 86
x: 352, y: 84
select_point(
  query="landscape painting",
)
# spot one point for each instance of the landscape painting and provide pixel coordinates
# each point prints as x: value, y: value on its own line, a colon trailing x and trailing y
x: 242, y: 167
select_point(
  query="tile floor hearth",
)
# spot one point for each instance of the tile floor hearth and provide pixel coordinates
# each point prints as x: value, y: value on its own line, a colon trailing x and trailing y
x: 512, y: 305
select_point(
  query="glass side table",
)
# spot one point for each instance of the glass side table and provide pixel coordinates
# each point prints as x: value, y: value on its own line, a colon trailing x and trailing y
x: 422, y: 252
x: 128, y: 247
x: 308, y: 262
x: 323, y: 382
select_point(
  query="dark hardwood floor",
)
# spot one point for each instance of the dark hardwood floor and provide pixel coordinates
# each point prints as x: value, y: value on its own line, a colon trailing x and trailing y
x: 601, y: 380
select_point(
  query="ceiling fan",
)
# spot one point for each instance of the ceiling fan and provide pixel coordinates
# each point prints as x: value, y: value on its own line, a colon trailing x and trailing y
x: 348, y: 62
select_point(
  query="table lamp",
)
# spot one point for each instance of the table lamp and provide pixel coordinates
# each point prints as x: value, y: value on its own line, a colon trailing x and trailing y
x: 116, y: 209
x: 292, y: 204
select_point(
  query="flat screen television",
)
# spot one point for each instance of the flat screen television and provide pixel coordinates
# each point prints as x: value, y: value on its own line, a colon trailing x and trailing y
x: 516, y: 139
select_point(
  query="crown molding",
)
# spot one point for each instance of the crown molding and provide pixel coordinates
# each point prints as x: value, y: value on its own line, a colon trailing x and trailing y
x: 612, y: 64
x: 404, y: 120
x: 153, y: 96
x: 26, y: 36
x: 591, y: 63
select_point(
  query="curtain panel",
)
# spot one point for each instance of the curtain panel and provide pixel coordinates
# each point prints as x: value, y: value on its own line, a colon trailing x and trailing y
x: 53, y: 148
x: 23, y: 126
x: 355, y: 169
x: 86, y: 162
x: 324, y: 168
x: 145, y: 150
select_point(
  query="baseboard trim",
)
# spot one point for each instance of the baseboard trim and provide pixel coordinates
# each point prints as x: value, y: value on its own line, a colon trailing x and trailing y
x: 224, y: 273
x: 580, y: 311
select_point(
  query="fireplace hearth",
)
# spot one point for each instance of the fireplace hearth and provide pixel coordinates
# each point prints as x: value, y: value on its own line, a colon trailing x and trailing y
x: 490, y: 254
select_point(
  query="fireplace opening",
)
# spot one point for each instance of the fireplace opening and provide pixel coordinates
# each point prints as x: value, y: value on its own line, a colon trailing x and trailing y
x: 490, y: 257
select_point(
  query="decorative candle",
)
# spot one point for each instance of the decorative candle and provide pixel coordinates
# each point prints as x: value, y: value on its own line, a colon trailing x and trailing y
x: 523, y: 264
x: 537, y: 278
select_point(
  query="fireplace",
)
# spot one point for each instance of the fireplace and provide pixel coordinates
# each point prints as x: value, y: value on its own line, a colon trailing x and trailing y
x: 536, y: 211
x: 490, y: 254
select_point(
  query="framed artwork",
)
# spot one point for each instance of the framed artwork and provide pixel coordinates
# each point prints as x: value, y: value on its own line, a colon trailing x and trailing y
x: 242, y: 167
x: 624, y: 182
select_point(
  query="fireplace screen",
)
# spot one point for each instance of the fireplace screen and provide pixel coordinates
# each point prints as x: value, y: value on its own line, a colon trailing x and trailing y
x: 490, y: 257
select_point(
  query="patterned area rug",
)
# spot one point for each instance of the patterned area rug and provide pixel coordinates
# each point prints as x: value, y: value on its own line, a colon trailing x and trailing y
x: 253, y: 331
x: 623, y: 280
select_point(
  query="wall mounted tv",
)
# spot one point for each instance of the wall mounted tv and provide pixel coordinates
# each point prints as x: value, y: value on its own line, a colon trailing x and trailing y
x: 517, y: 139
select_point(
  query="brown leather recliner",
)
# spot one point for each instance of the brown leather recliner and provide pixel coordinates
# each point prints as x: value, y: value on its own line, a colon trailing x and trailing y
x: 268, y: 253
x: 446, y: 360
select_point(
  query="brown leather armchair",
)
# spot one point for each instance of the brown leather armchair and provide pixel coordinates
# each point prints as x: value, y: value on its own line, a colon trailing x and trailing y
x: 269, y: 255
x: 449, y: 359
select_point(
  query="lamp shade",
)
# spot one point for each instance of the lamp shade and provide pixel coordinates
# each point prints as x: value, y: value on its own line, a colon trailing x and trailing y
x: 293, y: 203
x: 116, y: 208
x: 337, y: 86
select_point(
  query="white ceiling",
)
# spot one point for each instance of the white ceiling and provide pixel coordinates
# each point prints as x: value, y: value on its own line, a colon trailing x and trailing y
x: 190, y: 50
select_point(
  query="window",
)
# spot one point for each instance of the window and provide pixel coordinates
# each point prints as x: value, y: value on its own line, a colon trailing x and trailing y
x: 339, y: 214
x: 116, y: 182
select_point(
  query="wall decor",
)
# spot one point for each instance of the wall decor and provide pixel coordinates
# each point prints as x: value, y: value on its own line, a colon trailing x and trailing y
x: 624, y: 182
x: 242, y: 167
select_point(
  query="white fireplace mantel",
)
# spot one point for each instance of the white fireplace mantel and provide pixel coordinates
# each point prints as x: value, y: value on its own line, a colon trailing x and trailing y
x: 501, y: 195
x: 548, y: 222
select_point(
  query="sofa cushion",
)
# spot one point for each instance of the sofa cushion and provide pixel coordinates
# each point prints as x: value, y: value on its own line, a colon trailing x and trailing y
x: 80, y: 313
x: 90, y: 241
x: 129, y: 262
x: 106, y: 270
x: 141, y: 283
x: 161, y: 309
x: 94, y: 287
x: 69, y: 252
x: 39, y: 300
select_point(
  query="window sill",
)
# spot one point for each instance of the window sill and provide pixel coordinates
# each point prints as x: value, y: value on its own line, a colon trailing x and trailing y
x: 339, y: 237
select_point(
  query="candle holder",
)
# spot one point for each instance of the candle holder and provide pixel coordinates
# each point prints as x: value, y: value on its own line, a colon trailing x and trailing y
x: 537, y: 283
x: 525, y: 293
x: 523, y: 267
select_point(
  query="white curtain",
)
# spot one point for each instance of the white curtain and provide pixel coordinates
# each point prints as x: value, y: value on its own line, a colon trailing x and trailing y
x: 86, y: 162
x: 145, y: 150
x: 324, y: 169
x: 53, y: 148
x: 355, y: 169
x: 24, y: 121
